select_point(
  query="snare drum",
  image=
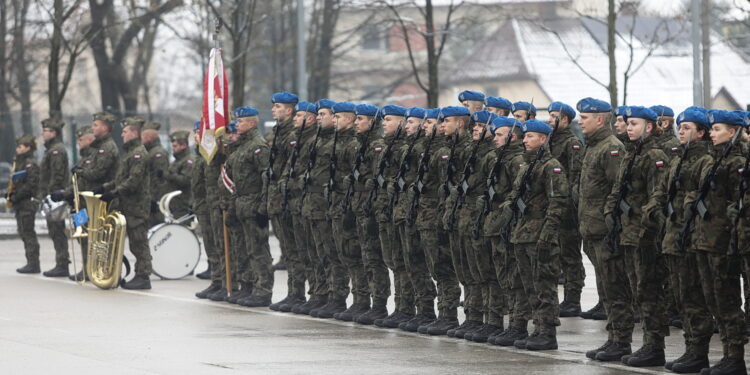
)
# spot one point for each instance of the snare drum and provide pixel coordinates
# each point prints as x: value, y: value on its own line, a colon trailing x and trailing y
x: 175, y: 251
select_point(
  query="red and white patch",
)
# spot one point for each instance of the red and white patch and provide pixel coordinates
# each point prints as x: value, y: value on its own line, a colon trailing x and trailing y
x: 660, y: 163
x: 576, y: 147
x: 557, y: 170
x: 55, y: 152
x: 87, y: 162
x: 293, y: 143
x: 29, y: 166
x: 741, y: 170
x: 614, y: 153
x: 258, y: 151
x: 675, y: 149
x: 189, y: 162
x: 445, y: 157
x: 101, y: 150
x: 137, y: 156
x: 157, y: 155
x: 378, y: 149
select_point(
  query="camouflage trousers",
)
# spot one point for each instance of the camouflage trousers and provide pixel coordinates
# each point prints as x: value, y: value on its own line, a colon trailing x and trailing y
x: 590, y: 249
x: 292, y: 252
x: 483, y: 269
x: 137, y: 231
x: 303, y: 243
x: 315, y: 269
x: 461, y: 248
x: 618, y: 299
x: 155, y: 218
x: 720, y: 281
x: 350, y: 254
x: 236, y: 238
x: 650, y: 272
x: 435, y: 243
x: 696, y: 319
x: 25, y: 224
x: 390, y: 245
x: 209, y: 243
x: 60, y: 241
x: 510, y: 295
x: 336, y: 275
x: 416, y: 268
x: 539, y: 269
x: 378, y: 278
x: 255, y: 262
x: 571, y: 260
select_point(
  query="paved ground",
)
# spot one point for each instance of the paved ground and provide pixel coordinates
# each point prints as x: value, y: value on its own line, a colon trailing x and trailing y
x: 56, y: 326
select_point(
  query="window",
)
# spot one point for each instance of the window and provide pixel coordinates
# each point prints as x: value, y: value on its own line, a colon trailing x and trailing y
x: 372, y: 39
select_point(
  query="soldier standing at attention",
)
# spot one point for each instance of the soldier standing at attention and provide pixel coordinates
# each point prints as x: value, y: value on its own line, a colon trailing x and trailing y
x: 55, y: 176
x: 523, y: 111
x: 24, y: 199
x: 568, y: 150
x: 158, y: 163
x: 130, y: 192
x: 601, y: 164
x: 177, y: 176
x: 472, y: 100
x: 667, y: 141
x: 535, y: 233
x: 199, y: 206
x: 498, y: 105
x: 621, y: 124
x: 367, y: 226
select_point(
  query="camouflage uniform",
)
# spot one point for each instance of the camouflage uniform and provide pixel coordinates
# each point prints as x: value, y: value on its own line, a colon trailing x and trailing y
x: 568, y: 150
x: 639, y: 250
x: 247, y: 164
x: 214, y: 191
x: 26, y: 202
x: 668, y: 143
x: 200, y: 207
x: 535, y: 235
x: 238, y: 259
x: 600, y: 167
x: 131, y: 189
x: 159, y: 161
x: 103, y: 165
x: 280, y: 219
x: 55, y: 175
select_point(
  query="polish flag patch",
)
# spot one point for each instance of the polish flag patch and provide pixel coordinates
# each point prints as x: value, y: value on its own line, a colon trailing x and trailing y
x: 557, y: 170
x: 136, y: 156
x: 741, y: 170
x: 576, y: 147
x: 157, y: 155
x: 101, y: 150
x: 675, y: 149
x: 190, y: 162
x: 378, y: 149
x: 614, y: 153
x: 293, y: 143
x: 258, y: 151
x: 660, y: 163
x: 29, y: 166
x: 445, y: 157
x: 87, y: 162
x: 55, y: 152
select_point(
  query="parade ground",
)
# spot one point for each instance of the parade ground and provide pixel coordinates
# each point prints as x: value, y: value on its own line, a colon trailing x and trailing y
x: 55, y: 326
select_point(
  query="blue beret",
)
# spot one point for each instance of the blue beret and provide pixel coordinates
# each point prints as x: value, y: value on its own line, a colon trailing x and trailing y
x: 746, y: 119
x: 470, y: 95
x: 232, y: 127
x: 662, y: 110
x: 284, y: 97
x: 393, y: 110
x: 526, y: 106
x: 725, y: 117
x: 415, y: 112
x: 636, y: 111
x: 591, y: 105
x: 324, y: 103
x: 341, y: 107
x: 620, y: 111
x: 537, y: 127
x: 305, y: 106
x: 498, y: 102
x: 245, y: 112
x: 701, y: 109
x: 432, y: 113
x: 366, y: 110
x: 562, y: 108
x: 501, y: 121
x: 483, y: 116
x: 197, y: 125
x: 454, y: 110
x: 693, y: 115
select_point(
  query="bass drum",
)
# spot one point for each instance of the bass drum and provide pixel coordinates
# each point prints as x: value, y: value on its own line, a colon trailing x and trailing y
x: 175, y: 251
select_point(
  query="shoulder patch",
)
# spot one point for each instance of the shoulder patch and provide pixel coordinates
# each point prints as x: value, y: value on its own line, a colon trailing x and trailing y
x: 576, y: 147
x: 378, y: 149
x: 55, y: 152
x: 157, y: 155
x: 101, y: 150
x: 614, y: 153
x: 660, y: 163
x: 293, y: 143
x: 258, y: 151
x: 741, y: 170
x: 675, y: 149
x: 137, y: 156
x: 87, y: 162
x: 557, y: 170
x: 189, y: 162
x: 29, y: 165
x: 445, y: 157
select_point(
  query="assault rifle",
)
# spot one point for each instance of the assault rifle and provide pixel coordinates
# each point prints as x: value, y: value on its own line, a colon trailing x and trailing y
x: 419, y: 182
x: 380, y: 181
x: 463, y: 186
x: 312, y: 156
x: 353, y: 178
x: 292, y: 164
x: 399, y: 183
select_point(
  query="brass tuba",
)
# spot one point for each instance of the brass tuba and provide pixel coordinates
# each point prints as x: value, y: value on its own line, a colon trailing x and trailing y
x: 106, y: 235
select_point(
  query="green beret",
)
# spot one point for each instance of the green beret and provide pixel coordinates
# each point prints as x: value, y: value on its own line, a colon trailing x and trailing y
x: 133, y: 121
x: 106, y: 118
x: 152, y: 125
x: 26, y: 140
x: 53, y: 123
x: 83, y: 130
x: 180, y: 136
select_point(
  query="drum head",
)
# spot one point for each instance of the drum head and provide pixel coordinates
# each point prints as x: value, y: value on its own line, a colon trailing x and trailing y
x: 175, y: 251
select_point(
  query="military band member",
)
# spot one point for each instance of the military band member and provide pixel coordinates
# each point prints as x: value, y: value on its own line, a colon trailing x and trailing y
x: 472, y: 100
x: 159, y: 162
x: 177, y: 176
x: 55, y: 175
x: 24, y: 199
x: 129, y: 192
x: 199, y: 206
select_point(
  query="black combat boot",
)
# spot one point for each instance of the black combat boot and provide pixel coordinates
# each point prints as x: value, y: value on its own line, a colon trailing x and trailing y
x: 29, y: 268
x: 393, y: 320
x: 375, y: 313
x: 356, y: 309
x: 689, y: 363
x: 219, y: 295
x: 442, y: 326
x: 545, y: 340
x: 290, y: 304
x: 211, y: 289
x: 314, y: 303
x: 279, y: 266
x: 569, y: 309
x: 468, y: 327
x: 510, y: 336
x: 646, y: 356
x: 58, y: 271
x: 598, y: 308
x: 727, y: 366
x: 78, y: 277
x: 668, y: 364
x: 614, y: 352
x: 205, y: 275
x: 334, y: 306
x: 276, y: 306
x: 484, y: 332
x: 592, y: 353
x: 138, y: 282
x: 423, y: 318
x: 246, y: 290
x: 256, y: 301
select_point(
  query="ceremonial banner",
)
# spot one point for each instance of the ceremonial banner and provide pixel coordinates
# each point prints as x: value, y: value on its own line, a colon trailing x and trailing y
x: 215, y: 105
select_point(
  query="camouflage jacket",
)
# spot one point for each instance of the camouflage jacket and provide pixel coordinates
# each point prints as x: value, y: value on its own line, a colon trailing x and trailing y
x: 213, y: 183
x: 568, y: 150
x: 688, y: 181
x: 366, y: 170
x: 461, y: 151
x: 227, y: 199
x: 477, y: 184
x: 346, y: 151
x: 599, y: 171
x: 410, y: 163
x: 158, y: 161
x: 131, y: 184
x: 430, y: 203
x: 55, y: 174
x: 381, y: 202
x: 315, y: 205
x: 649, y: 169
x: 178, y: 177
x: 292, y: 179
x: 545, y: 199
x: 198, y: 187
x: 26, y: 186
x: 669, y: 143
x: 85, y: 160
x: 506, y: 175
x: 247, y: 165
x: 103, y: 166
x: 283, y: 152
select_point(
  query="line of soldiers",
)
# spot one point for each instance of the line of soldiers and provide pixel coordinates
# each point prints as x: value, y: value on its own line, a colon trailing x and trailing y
x: 132, y: 180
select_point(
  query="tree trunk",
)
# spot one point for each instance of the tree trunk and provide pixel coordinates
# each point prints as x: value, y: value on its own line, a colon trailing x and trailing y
x: 21, y: 64
x: 7, y: 132
x: 433, y: 84
x: 319, y: 81
x: 611, y: 27
x: 107, y: 84
x: 706, y: 51
x: 53, y: 67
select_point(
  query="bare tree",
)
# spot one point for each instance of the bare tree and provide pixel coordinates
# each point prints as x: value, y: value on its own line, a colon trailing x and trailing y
x: 320, y: 47
x: 21, y: 64
x: 7, y: 132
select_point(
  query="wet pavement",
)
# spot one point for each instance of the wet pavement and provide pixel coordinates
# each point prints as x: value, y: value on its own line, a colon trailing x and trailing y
x: 56, y: 326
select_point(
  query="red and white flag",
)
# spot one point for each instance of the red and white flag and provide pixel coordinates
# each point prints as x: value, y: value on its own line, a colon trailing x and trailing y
x: 215, y: 105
